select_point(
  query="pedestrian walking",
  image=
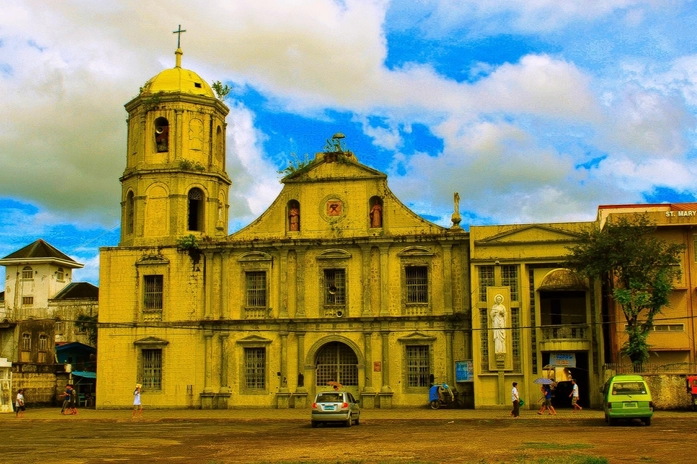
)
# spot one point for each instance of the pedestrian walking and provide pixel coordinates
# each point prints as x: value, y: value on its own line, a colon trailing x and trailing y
x: 574, y: 396
x: 19, y: 404
x: 547, y: 400
x: 66, y: 399
x: 516, y: 400
x: 72, y: 403
x: 137, y: 405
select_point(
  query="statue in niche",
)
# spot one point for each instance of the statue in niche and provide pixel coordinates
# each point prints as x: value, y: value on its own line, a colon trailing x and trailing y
x: 294, y: 218
x: 376, y: 215
x: 498, y: 322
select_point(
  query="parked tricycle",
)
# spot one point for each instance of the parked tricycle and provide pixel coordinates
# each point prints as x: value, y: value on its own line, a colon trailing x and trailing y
x: 441, y: 395
x: 692, y: 390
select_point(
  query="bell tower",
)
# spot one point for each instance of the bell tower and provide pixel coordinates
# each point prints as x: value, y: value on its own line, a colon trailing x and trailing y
x: 175, y: 183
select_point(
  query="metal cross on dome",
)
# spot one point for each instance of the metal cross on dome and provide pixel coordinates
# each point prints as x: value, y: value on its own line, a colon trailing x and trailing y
x: 179, y: 35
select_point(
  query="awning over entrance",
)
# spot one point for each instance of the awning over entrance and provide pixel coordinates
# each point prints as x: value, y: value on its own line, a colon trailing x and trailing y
x: 562, y: 279
x: 85, y: 374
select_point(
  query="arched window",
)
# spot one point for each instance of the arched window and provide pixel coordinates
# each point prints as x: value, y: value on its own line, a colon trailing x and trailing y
x: 27, y: 273
x: 162, y: 134
x: 130, y: 212
x: 196, y: 209
x: 293, y: 216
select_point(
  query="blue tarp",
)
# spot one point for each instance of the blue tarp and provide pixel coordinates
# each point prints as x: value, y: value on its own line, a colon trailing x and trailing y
x: 85, y: 374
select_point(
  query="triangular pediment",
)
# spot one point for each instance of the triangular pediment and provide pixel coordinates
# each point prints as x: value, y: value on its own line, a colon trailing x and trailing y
x: 151, y: 341
x: 255, y: 256
x: 417, y: 337
x: 330, y: 166
x: 530, y: 234
x: 415, y: 251
x: 253, y: 340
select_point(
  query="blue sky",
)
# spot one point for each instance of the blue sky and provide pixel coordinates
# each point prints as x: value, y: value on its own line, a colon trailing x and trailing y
x: 533, y: 110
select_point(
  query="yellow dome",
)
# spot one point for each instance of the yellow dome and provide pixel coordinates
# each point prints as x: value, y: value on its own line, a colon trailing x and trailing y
x: 178, y: 80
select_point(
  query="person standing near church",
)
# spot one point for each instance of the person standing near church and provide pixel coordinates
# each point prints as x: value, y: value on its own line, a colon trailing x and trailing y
x: 19, y: 404
x: 137, y: 405
x: 515, y: 397
x: 574, y: 396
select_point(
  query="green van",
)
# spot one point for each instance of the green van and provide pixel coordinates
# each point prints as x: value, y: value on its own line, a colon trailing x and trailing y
x: 627, y: 397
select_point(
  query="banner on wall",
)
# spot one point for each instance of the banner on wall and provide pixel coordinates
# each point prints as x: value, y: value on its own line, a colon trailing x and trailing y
x: 464, y: 371
x: 562, y: 359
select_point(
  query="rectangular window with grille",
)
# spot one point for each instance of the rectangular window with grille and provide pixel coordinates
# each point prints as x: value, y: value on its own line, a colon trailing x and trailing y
x: 334, y: 291
x: 27, y: 300
x: 515, y: 338
x: 152, y: 297
x: 486, y: 279
x: 484, y: 326
x: 418, y: 366
x: 255, y: 368
x: 152, y: 369
x: 417, y: 284
x: 509, y: 278
x: 43, y: 342
x: 27, y: 273
x: 255, y: 306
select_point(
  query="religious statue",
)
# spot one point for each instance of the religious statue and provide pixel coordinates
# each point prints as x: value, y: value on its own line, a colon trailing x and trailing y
x: 294, y: 218
x: 376, y: 216
x: 498, y: 322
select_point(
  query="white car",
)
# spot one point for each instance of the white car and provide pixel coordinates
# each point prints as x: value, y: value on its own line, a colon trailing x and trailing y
x: 335, y: 406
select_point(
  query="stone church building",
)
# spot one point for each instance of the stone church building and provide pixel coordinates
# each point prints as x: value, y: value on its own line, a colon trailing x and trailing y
x: 337, y: 281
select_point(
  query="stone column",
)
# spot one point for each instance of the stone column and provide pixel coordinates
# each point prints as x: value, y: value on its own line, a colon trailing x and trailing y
x: 449, y: 363
x: 368, y: 394
x: 224, y: 309
x: 386, y: 393
x: 207, y: 395
x: 366, y: 280
x: 447, y: 278
x: 384, y: 277
x: 384, y: 334
x: 283, y: 395
x: 177, y: 136
x: 283, y: 284
x: 223, y: 396
x: 208, y: 361
x: 300, y: 395
x: 300, y: 282
x: 208, y: 284
x: 292, y: 284
x: 224, y: 385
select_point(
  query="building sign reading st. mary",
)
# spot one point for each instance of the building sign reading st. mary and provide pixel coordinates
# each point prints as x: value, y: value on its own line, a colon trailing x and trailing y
x: 681, y: 213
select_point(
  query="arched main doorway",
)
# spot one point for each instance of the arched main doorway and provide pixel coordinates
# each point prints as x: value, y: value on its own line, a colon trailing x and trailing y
x: 336, y: 362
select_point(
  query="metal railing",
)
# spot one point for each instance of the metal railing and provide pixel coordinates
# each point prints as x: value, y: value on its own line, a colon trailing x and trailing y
x: 564, y: 332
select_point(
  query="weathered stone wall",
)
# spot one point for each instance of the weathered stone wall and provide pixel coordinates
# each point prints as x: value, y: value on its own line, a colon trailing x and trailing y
x: 38, y: 382
x: 669, y: 391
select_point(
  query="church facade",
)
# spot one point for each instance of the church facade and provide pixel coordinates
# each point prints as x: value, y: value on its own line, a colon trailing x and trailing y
x: 337, y: 281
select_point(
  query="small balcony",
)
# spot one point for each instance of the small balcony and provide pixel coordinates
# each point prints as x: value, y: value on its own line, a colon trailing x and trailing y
x: 564, y: 337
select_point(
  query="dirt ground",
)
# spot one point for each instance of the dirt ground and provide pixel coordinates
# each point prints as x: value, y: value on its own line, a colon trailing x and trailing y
x: 541, y: 440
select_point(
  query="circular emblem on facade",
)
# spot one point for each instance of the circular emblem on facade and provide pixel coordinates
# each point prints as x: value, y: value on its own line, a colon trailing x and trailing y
x: 332, y: 208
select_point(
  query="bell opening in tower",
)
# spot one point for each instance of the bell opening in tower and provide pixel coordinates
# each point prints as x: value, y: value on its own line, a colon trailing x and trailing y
x: 162, y: 135
x: 195, y: 209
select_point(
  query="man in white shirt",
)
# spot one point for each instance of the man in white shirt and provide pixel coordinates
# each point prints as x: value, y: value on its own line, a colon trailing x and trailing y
x: 574, y: 396
x: 516, y: 400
